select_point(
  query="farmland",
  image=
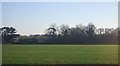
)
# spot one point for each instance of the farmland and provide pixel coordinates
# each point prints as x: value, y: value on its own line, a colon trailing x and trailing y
x: 60, y: 54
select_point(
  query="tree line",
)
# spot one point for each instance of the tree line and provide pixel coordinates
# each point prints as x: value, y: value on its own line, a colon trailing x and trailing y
x: 64, y: 34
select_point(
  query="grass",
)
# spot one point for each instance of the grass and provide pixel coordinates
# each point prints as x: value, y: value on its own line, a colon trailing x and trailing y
x: 0, y: 54
x: 60, y: 54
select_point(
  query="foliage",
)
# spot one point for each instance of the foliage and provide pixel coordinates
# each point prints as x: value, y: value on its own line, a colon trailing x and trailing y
x: 8, y: 34
x: 64, y: 34
x: 84, y: 35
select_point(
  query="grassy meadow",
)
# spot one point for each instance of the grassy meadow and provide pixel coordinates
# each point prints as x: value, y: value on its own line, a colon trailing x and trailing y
x: 60, y: 54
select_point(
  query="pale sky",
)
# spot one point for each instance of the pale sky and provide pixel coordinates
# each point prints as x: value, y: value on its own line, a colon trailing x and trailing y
x: 59, y: 0
x: 35, y: 17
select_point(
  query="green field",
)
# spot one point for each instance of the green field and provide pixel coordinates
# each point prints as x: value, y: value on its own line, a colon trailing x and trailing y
x: 60, y: 54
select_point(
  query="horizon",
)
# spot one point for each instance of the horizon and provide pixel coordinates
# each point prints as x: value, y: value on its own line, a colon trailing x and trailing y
x: 57, y: 27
